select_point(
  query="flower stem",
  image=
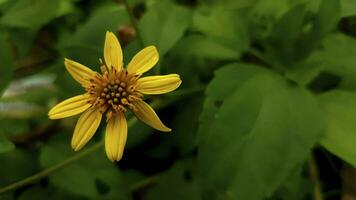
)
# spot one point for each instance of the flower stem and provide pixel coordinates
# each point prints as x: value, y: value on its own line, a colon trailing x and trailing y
x: 133, y: 22
x: 46, y: 172
x: 34, y: 178
x: 144, y: 183
x: 314, y: 175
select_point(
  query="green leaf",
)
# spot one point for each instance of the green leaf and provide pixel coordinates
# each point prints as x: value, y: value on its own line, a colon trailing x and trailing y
x: 33, y: 14
x: 177, y: 183
x: 295, y: 187
x: 12, y: 126
x: 89, y: 37
x: 16, y: 165
x: 340, y: 117
x: 348, y: 8
x: 255, y: 128
x: 36, y: 193
x: 325, y: 21
x: 132, y: 176
x: 3, y: 1
x: 91, y: 34
x: 328, y: 16
x: 276, y: 8
x: 207, y: 47
x: 304, y: 73
x: 296, y: 34
x: 185, y: 123
x: 338, y: 57
x: 280, y: 47
x: 164, y: 24
x: 5, y: 144
x: 6, y: 64
x: 93, y: 176
x: 223, y: 25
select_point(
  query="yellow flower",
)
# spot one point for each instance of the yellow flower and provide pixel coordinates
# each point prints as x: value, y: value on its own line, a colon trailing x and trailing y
x: 113, y: 92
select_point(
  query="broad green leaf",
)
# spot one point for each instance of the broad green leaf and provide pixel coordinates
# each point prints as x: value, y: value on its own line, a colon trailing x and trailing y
x: 340, y: 117
x: 132, y: 176
x: 33, y: 14
x: 230, y: 3
x: 224, y: 25
x: 185, y: 124
x: 164, y: 24
x: 6, y: 64
x: 274, y: 8
x: 177, y: 183
x: 255, y: 129
x: 38, y: 192
x: 338, y: 57
x: 5, y: 144
x: 89, y: 37
x: 22, y: 40
x: 5, y: 5
x: 182, y: 60
x: 305, y: 72
x: 3, y: 1
x: 328, y: 16
x: 281, y: 44
x: 91, y: 34
x: 326, y: 21
x: 266, y: 8
x: 296, y: 187
x: 296, y: 34
x: 16, y: 165
x: 348, y: 8
x: 13, y: 126
x: 94, y: 176
x: 207, y: 47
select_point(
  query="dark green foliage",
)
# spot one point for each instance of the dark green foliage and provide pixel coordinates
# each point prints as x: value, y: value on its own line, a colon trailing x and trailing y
x: 259, y: 118
x: 265, y: 84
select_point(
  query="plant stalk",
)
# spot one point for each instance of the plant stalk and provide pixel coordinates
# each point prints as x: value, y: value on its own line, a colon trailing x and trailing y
x: 48, y: 171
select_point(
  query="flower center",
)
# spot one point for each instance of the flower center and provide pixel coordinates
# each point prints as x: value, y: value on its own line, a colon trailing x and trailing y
x: 115, y: 90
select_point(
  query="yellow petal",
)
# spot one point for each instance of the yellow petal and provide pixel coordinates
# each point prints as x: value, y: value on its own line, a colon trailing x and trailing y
x: 86, y: 126
x: 146, y: 114
x: 143, y: 60
x: 115, y: 136
x: 79, y: 72
x: 158, y: 84
x: 112, y: 51
x: 70, y: 107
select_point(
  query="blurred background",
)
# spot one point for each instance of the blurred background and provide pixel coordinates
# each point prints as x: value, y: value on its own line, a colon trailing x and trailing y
x: 266, y: 110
